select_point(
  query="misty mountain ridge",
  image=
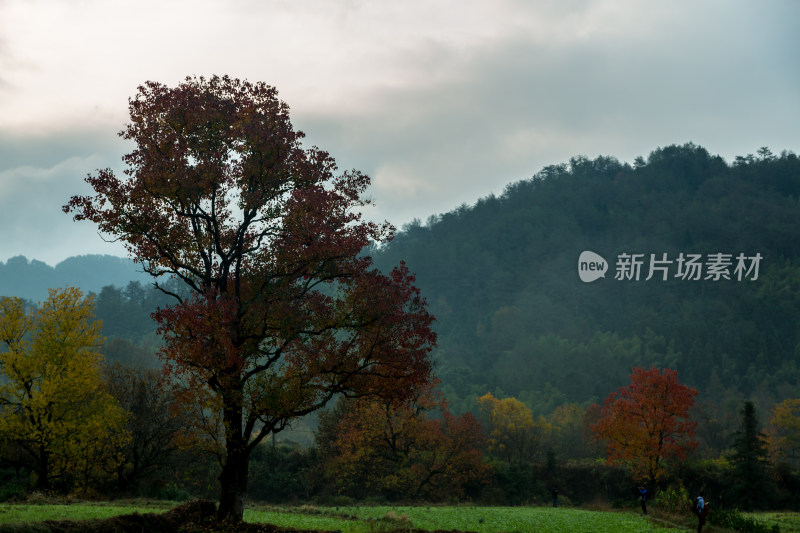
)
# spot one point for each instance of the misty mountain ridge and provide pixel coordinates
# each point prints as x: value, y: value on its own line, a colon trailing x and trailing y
x: 31, y: 279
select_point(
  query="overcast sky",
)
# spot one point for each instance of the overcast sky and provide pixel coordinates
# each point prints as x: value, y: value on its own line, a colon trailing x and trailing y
x: 439, y: 101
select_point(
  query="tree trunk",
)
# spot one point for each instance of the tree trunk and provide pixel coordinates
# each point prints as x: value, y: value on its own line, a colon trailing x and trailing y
x: 233, y: 490
x: 43, y: 470
x: 233, y: 478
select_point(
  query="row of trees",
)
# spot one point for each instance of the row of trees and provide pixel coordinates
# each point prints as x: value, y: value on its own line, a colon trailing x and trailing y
x: 645, y: 428
x: 551, y: 417
x: 76, y: 424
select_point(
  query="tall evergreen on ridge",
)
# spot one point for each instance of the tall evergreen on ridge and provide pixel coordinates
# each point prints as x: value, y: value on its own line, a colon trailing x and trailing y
x: 750, y: 484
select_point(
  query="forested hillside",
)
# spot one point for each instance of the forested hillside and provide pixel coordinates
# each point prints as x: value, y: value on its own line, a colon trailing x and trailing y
x: 514, y: 318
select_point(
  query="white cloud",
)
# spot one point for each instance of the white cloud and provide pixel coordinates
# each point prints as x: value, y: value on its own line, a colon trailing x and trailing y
x: 31, y: 216
x: 439, y: 101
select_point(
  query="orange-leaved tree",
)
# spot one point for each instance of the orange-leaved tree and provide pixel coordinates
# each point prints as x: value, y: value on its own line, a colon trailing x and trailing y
x: 647, y: 422
x: 283, y: 310
x: 410, y: 450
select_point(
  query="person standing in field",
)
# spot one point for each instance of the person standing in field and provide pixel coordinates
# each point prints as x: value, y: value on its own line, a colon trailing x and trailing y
x: 701, y: 508
x: 643, y: 498
x: 555, y: 497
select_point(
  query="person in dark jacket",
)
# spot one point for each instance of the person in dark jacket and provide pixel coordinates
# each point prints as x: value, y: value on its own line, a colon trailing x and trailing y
x: 643, y: 498
x: 701, y: 508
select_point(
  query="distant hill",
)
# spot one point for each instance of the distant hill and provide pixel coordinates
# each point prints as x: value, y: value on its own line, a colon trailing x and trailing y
x: 31, y: 279
x: 514, y: 317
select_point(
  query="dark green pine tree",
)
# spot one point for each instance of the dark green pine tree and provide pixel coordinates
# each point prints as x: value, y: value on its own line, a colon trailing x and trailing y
x: 750, y: 486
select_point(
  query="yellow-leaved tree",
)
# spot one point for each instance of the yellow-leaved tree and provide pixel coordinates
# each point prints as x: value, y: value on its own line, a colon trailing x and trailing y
x: 783, y: 431
x: 52, y: 401
x: 515, y: 436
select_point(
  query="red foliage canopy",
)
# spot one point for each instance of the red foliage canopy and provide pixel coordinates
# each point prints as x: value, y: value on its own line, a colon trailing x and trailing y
x: 404, y: 450
x: 648, y: 421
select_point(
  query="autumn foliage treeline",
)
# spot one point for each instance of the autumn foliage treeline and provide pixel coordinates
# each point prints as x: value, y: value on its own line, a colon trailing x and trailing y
x: 73, y: 424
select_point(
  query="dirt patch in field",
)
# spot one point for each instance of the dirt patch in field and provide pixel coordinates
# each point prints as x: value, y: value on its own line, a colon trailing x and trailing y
x: 196, y: 516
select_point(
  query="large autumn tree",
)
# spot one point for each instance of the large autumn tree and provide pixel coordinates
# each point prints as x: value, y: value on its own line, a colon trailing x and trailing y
x: 52, y: 401
x: 282, y: 310
x: 648, y: 422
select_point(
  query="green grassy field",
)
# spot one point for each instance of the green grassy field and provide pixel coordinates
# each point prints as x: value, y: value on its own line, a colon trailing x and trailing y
x: 16, y: 513
x: 464, y: 518
x: 788, y: 522
x: 371, y: 519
